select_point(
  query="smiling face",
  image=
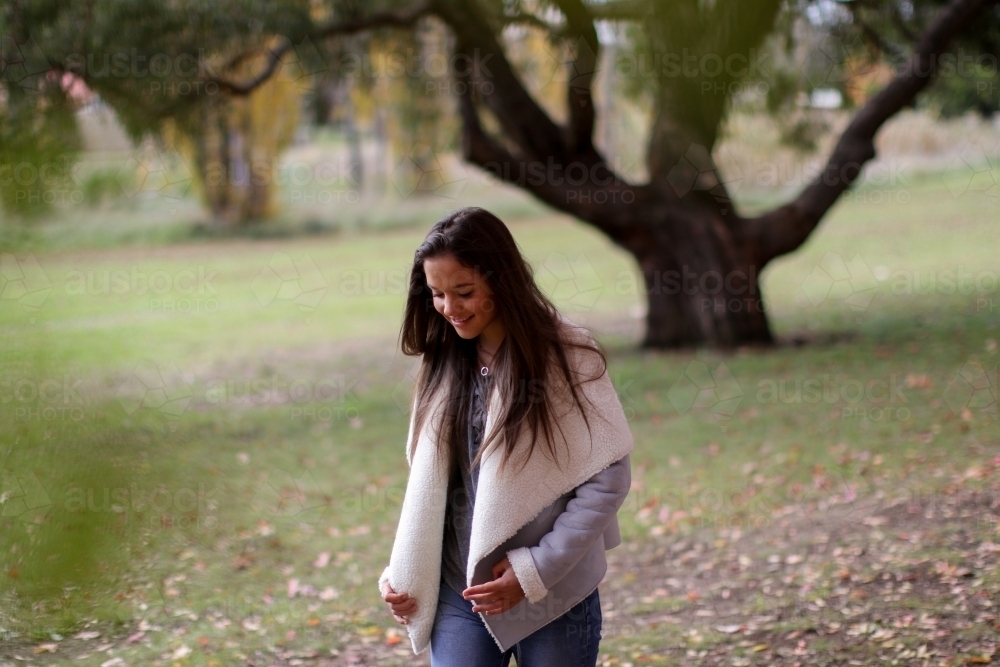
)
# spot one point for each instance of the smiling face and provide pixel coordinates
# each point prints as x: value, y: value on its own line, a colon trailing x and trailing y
x: 462, y: 296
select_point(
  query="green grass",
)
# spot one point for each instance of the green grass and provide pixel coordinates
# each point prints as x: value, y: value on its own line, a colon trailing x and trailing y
x: 195, y: 508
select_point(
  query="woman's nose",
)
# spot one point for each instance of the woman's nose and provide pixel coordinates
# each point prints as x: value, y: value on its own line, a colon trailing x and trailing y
x: 448, y: 309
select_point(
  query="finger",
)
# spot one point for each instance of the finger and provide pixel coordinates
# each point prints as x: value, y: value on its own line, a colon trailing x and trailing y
x: 487, y: 587
x: 479, y: 592
x: 498, y: 590
x: 407, y: 608
x: 482, y: 597
x: 495, y: 607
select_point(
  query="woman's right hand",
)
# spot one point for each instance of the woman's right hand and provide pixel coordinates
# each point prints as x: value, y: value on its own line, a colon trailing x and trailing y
x: 400, y: 604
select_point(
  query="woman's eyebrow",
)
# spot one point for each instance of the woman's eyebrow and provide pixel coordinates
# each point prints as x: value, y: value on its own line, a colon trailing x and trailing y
x: 456, y: 286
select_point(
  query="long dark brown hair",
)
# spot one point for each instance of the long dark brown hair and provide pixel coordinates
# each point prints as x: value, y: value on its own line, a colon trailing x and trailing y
x: 521, y: 366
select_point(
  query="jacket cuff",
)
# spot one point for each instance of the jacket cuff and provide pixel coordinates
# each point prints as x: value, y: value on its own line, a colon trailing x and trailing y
x: 527, y: 574
x: 384, y: 577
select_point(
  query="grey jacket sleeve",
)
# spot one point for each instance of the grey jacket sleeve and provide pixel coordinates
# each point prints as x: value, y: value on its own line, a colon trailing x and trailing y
x: 585, y: 518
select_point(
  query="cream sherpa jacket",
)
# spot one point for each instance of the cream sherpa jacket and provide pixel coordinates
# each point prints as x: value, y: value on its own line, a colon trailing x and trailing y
x: 513, y: 510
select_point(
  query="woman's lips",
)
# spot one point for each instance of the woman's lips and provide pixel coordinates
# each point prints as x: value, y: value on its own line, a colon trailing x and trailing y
x: 462, y: 323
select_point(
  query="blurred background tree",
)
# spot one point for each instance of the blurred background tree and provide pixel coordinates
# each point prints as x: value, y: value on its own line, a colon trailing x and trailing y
x: 224, y: 80
x: 235, y: 144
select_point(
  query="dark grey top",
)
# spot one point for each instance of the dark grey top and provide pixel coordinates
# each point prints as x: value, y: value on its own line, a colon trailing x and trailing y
x: 462, y: 496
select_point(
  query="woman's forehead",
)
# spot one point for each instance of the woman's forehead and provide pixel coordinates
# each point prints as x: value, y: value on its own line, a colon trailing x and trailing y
x: 445, y: 273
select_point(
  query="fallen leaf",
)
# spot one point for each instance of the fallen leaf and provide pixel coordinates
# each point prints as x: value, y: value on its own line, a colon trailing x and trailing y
x: 180, y: 652
x: 243, y: 561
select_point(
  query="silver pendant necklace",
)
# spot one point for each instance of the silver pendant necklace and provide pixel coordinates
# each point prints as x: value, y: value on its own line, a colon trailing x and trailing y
x: 484, y: 371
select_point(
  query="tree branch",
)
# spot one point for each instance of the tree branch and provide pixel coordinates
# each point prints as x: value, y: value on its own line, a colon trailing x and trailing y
x: 784, y: 229
x: 580, y: 23
x: 548, y: 180
x: 477, y: 146
x: 403, y: 18
x: 536, y: 135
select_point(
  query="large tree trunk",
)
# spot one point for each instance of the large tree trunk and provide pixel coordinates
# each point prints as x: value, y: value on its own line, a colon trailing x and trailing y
x: 700, y: 287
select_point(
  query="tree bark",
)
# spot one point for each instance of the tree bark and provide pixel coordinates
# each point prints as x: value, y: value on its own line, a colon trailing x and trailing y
x: 701, y: 287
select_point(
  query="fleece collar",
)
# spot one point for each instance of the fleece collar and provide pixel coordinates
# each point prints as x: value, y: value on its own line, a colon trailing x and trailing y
x: 504, y: 502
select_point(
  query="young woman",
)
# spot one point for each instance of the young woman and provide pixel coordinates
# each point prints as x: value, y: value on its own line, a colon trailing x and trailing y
x: 518, y: 452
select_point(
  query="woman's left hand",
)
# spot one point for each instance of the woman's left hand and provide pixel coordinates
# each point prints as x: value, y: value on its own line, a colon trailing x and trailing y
x: 499, y: 595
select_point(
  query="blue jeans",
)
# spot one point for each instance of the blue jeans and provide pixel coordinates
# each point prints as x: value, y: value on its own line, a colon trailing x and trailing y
x: 460, y: 639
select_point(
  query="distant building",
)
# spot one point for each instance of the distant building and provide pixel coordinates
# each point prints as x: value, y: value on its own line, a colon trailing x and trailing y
x: 825, y: 98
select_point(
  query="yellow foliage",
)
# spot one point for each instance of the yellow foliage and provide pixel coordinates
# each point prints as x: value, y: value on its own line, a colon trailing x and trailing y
x: 541, y: 67
x: 866, y: 78
x: 234, y: 148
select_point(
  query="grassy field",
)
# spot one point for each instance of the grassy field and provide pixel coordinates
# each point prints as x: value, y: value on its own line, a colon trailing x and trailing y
x: 202, y: 444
